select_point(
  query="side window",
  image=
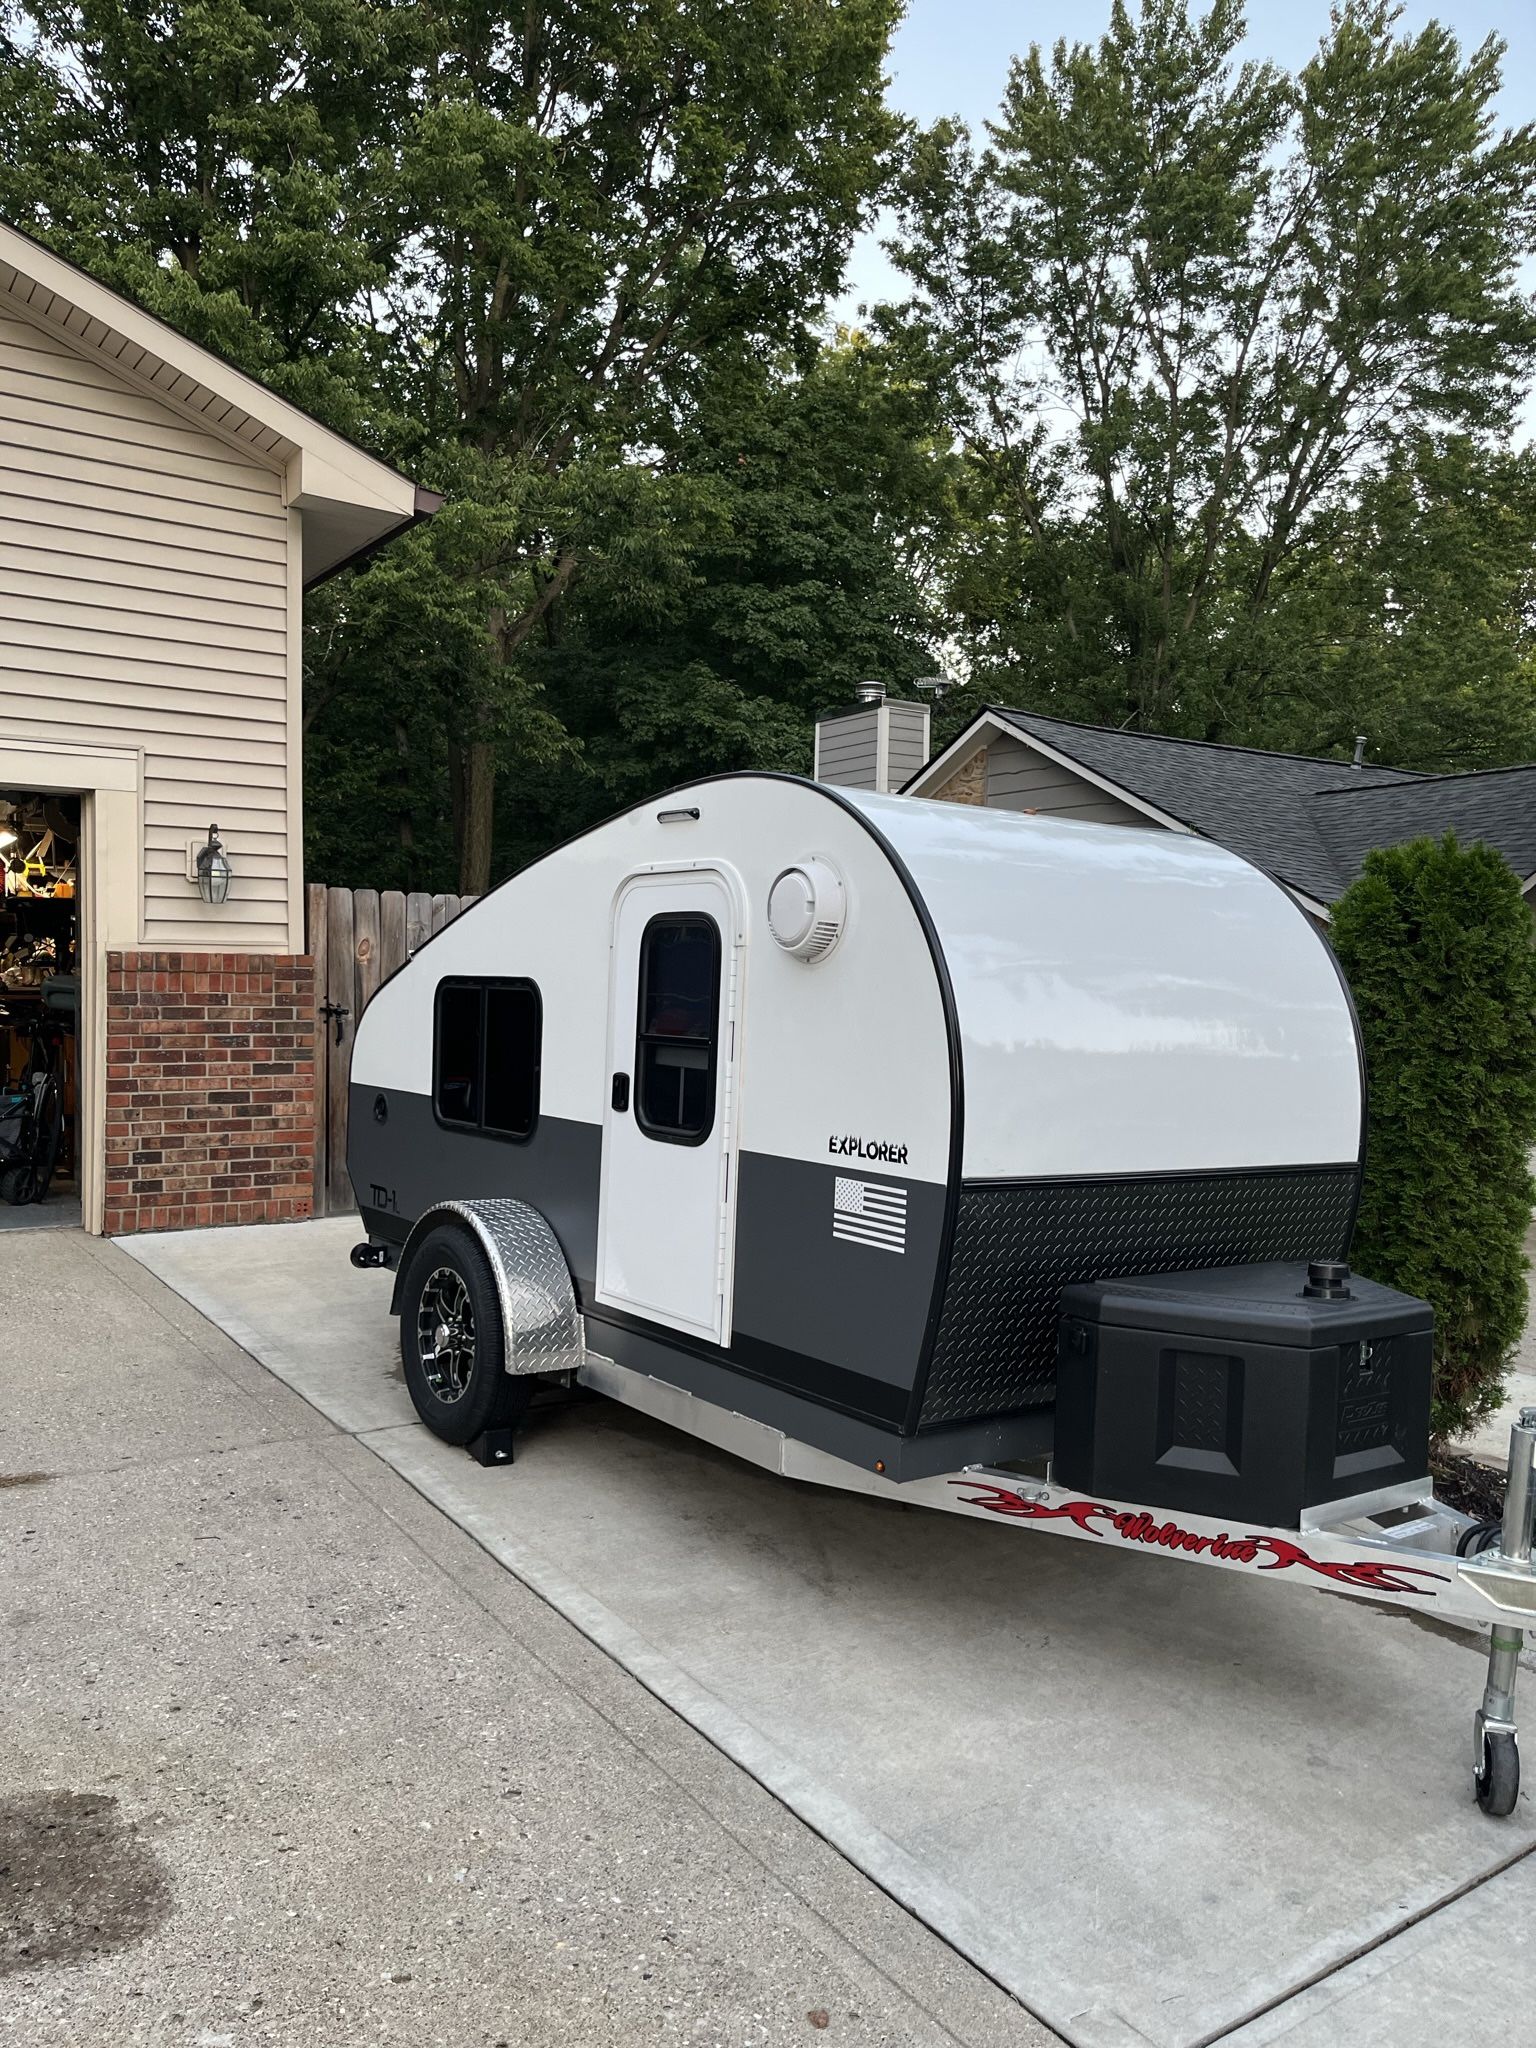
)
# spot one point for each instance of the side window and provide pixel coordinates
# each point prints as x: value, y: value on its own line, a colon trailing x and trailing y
x: 460, y: 1052
x: 513, y: 1030
x: 486, y: 1057
x: 678, y: 1028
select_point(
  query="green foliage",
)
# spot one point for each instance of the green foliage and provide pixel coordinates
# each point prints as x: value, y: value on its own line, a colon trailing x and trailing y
x: 516, y: 252
x: 212, y: 160
x: 1197, y: 416
x: 796, y: 503
x: 609, y: 210
x: 1436, y: 941
x: 1184, y: 316
x: 1419, y: 626
x: 742, y: 583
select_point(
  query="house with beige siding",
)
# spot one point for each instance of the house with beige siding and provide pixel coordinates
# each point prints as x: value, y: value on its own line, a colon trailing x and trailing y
x: 160, y: 517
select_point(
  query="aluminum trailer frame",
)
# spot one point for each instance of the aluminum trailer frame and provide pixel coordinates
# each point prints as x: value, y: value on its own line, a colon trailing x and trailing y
x: 1399, y: 1547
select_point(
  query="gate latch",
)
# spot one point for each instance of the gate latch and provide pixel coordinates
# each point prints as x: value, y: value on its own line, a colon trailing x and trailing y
x: 336, y: 1012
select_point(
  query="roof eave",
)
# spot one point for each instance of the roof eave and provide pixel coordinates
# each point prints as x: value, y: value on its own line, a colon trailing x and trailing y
x: 350, y: 500
x: 996, y: 717
x: 427, y: 503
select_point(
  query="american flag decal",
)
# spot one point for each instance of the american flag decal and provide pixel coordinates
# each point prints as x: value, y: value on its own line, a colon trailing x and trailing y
x: 870, y: 1212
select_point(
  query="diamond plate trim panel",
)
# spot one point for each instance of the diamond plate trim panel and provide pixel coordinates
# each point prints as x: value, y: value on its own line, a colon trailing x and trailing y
x: 1203, y: 1390
x: 538, y: 1302
x: 1017, y: 1246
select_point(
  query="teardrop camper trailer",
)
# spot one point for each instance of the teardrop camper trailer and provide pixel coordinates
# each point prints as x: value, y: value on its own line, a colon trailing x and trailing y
x: 998, y: 1162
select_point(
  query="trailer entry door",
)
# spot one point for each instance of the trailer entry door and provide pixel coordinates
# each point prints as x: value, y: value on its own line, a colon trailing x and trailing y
x: 665, y: 1225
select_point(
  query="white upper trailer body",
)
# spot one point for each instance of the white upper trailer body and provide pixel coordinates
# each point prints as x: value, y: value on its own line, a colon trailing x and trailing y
x: 834, y: 1171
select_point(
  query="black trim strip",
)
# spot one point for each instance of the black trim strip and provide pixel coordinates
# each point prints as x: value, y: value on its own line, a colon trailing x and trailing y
x: 1077, y: 1180
x: 831, y: 1386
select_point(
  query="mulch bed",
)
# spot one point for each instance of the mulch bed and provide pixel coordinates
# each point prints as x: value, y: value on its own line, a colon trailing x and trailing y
x: 1464, y: 1483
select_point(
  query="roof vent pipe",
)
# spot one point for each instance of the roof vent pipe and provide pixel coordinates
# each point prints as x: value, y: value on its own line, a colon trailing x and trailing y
x: 1359, y: 760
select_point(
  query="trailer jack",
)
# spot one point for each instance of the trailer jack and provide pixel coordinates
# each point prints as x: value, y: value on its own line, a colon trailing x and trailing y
x: 1495, y: 1744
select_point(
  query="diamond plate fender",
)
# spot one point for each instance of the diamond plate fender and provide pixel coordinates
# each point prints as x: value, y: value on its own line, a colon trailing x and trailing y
x: 538, y: 1301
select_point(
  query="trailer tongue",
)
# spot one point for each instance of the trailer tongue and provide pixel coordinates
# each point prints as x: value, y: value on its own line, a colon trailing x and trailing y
x: 1405, y: 1554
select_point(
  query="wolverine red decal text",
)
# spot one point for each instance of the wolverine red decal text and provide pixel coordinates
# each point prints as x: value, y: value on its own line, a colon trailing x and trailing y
x: 1136, y: 1525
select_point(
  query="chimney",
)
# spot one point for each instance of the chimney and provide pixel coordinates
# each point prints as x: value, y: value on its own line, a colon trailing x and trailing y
x: 877, y: 743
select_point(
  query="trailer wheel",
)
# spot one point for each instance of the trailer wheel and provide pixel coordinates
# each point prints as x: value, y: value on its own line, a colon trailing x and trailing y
x: 1496, y: 1781
x: 451, y: 1341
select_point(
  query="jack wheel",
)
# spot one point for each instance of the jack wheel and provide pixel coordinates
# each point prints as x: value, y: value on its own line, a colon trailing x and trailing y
x: 1496, y: 1780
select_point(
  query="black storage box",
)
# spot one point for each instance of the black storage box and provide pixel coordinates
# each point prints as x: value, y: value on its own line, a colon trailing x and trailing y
x: 1249, y: 1392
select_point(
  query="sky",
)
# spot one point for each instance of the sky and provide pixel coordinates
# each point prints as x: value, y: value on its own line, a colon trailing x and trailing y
x: 951, y: 57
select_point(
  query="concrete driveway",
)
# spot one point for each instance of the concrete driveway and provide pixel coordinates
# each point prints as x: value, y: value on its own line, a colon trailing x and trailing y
x: 1162, y: 1807
x: 287, y: 1761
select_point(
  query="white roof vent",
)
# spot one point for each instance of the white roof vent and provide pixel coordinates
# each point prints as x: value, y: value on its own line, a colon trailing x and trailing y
x: 807, y: 909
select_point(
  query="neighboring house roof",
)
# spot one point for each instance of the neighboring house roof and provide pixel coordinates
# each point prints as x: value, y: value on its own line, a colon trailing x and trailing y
x: 1493, y: 804
x: 351, y: 502
x: 1310, y: 822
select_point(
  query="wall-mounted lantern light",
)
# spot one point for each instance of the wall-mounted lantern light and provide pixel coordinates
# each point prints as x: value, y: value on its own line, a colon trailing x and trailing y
x: 213, y: 869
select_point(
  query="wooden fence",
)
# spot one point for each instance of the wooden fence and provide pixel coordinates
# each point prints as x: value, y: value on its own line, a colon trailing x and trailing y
x: 358, y: 937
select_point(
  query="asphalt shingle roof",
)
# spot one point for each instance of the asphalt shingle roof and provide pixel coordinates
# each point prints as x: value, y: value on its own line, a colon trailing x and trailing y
x: 1310, y: 822
x: 1494, y: 804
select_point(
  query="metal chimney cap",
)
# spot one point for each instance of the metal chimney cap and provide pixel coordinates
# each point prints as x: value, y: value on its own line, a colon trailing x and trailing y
x: 869, y: 693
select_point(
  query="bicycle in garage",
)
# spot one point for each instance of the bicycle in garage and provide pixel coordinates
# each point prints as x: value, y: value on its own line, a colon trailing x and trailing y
x: 32, y: 1111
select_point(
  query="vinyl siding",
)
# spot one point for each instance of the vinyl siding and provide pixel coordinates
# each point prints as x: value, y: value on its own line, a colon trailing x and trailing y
x: 1019, y: 779
x: 145, y: 602
x: 847, y: 750
x: 908, y: 728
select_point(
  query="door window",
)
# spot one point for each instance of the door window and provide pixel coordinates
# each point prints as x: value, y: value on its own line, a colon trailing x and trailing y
x: 679, y: 1028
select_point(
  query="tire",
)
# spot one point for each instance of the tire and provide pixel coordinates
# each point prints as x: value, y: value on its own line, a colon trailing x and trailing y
x: 1496, y: 1781
x: 451, y: 1340
x: 17, y: 1186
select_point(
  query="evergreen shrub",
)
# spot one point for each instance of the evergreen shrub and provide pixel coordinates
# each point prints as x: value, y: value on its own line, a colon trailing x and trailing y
x: 1436, y: 942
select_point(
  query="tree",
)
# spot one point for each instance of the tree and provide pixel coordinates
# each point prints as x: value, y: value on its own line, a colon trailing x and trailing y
x: 801, y: 504
x: 1178, y: 313
x: 1419, y: 627
x: 1436, y: 942
x: 512, y: 251
x: 773, y: 564
x: 608, y: 207
x: 211, y: 162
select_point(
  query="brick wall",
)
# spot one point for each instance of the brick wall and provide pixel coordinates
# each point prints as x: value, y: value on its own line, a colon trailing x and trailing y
x: 968, y: 784
x: 210, y: 1089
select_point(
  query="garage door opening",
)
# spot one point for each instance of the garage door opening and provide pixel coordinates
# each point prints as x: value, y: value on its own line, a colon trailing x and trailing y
x: 40, y: 1068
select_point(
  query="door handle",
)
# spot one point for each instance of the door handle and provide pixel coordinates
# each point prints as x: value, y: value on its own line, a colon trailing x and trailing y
x: 620, y: 1095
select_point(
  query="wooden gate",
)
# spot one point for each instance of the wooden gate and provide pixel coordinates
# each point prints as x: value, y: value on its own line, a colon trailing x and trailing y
x: 357, y: 937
